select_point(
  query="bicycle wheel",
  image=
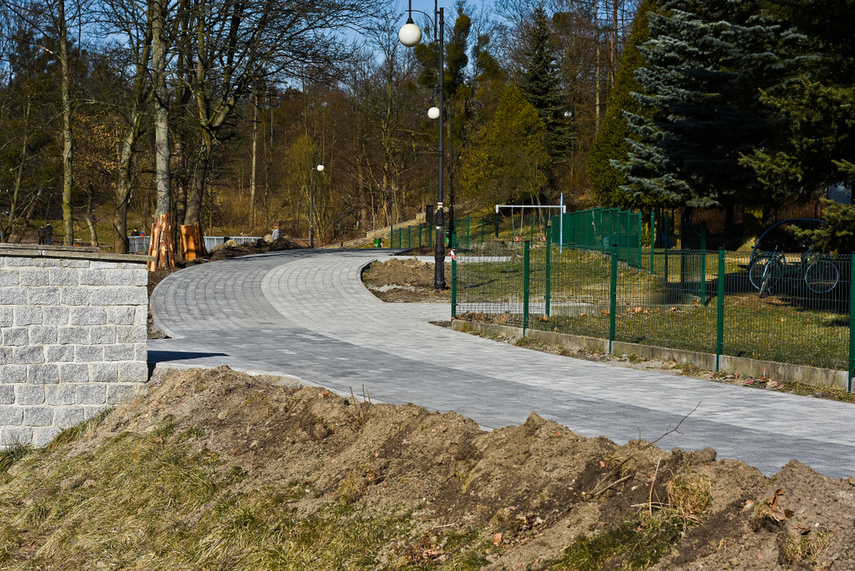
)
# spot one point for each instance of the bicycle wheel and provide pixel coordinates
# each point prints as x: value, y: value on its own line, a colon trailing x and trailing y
x: 822, y: 276
x: 755, y: 272
x: 771, y: 273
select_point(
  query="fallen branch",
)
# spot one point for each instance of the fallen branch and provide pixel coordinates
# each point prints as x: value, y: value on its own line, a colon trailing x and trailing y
x: 675, y: 429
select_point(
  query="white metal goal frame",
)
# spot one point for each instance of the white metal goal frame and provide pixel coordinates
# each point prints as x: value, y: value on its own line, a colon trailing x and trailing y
x: 561, y: 207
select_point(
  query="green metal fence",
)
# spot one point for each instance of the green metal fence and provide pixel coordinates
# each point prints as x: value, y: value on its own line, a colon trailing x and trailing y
x: 595, y: 229
x: 699, y: 300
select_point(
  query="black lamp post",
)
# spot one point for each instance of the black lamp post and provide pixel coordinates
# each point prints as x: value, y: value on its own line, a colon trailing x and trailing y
x: 410, y: 35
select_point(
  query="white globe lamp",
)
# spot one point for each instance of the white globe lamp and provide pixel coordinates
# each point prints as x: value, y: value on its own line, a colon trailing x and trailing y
x: 433, y: 112
x: 410, y: 34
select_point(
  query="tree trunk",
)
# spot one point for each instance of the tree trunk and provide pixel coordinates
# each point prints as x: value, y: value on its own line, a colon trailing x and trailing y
x: 197, y: 188
x: 16, y: 187
x: 67, y: 144
x: 160, y: 247
x: 161, y: 239
x: 254, y: 160
x: 90, y: 221
x: 124, y: 182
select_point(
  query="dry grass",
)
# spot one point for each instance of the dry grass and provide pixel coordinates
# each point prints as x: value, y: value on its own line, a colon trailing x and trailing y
x: 800, y: 548
x: 145, y: 502
x: 148, y: 502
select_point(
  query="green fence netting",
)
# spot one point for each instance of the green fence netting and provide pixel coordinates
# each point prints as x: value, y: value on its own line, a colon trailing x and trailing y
x: 791, y: 308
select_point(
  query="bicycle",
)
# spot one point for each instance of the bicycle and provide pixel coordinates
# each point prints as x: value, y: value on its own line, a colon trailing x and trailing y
x: 819, y: 274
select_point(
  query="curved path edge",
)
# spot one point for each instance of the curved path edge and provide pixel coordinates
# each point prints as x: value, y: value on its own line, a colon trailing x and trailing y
x: 305, y: 315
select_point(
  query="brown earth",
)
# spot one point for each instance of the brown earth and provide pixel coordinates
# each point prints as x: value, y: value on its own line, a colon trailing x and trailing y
x: 524, y: 492
x: 405, y: 280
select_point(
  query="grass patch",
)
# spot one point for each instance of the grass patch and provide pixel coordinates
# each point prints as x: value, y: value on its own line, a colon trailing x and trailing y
x: 635, y: 543
x: 644, y: 538
x: 79, y: 431
x: 10, y: 456
x: 796, y: 549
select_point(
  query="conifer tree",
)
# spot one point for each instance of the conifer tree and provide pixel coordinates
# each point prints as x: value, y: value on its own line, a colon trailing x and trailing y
x: 610, y: 143
x: 818, y: 100
x: 509, y: 161
x: 706, y: 64
x: 541, y: 85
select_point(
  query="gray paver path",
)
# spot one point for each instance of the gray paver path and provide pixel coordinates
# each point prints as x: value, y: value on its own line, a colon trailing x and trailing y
x: 305, y: 313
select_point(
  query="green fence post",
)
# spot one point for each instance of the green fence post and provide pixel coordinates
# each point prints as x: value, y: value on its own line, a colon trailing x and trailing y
x: 453, y: 286
x: 548, y: 267
x: 468, y: 235
x: 409, y: 237
x: 526, y: 268
x: 613, y: 298
x: 704, y: 263
x: 849, y: 384
x: 640, y: 246
x: 667, y: 244
x: 482, y: 229
x: 652, y: 242
x: 719, y: 326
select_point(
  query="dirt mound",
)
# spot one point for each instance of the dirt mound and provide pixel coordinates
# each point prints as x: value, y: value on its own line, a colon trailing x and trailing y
x: 521, y: 497
x: 231, y: 249
x: 405, y: 280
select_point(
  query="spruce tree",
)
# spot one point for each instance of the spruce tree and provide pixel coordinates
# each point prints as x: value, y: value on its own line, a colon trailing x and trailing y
x: 818, y: 100
x: 610, y: 146
x: 706, y: 65
x: 541, y: 85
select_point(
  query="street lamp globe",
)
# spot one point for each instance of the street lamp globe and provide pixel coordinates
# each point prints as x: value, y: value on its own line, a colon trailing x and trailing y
x: 410, y: 34
x: 320, y: 168
x: 433, y: 112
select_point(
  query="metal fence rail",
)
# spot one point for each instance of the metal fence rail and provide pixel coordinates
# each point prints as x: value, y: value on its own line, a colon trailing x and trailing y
x: 699, y: 300
x: 595, y: 229
x: 140, y: 244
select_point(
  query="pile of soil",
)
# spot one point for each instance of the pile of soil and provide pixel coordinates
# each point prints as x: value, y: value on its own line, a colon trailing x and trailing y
x: 524, y: 493
x: 405, y: 280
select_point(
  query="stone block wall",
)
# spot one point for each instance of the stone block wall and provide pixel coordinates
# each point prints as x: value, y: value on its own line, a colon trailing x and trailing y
x: 72, y: 337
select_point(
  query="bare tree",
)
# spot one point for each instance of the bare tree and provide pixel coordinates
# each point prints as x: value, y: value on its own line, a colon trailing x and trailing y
x: 131, y: 58
x: 235, y: 44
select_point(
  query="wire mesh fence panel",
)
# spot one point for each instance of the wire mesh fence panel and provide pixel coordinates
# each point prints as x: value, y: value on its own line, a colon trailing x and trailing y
x: 791, y: 308
x: 490, y: 283
x: 668, y: 308
x: 579, y: 292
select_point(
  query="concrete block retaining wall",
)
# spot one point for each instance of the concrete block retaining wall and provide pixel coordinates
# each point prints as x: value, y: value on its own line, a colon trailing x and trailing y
x: 72, y: 337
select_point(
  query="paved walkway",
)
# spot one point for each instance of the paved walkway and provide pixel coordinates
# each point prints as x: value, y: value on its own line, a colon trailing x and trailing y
x: 305, y: 314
